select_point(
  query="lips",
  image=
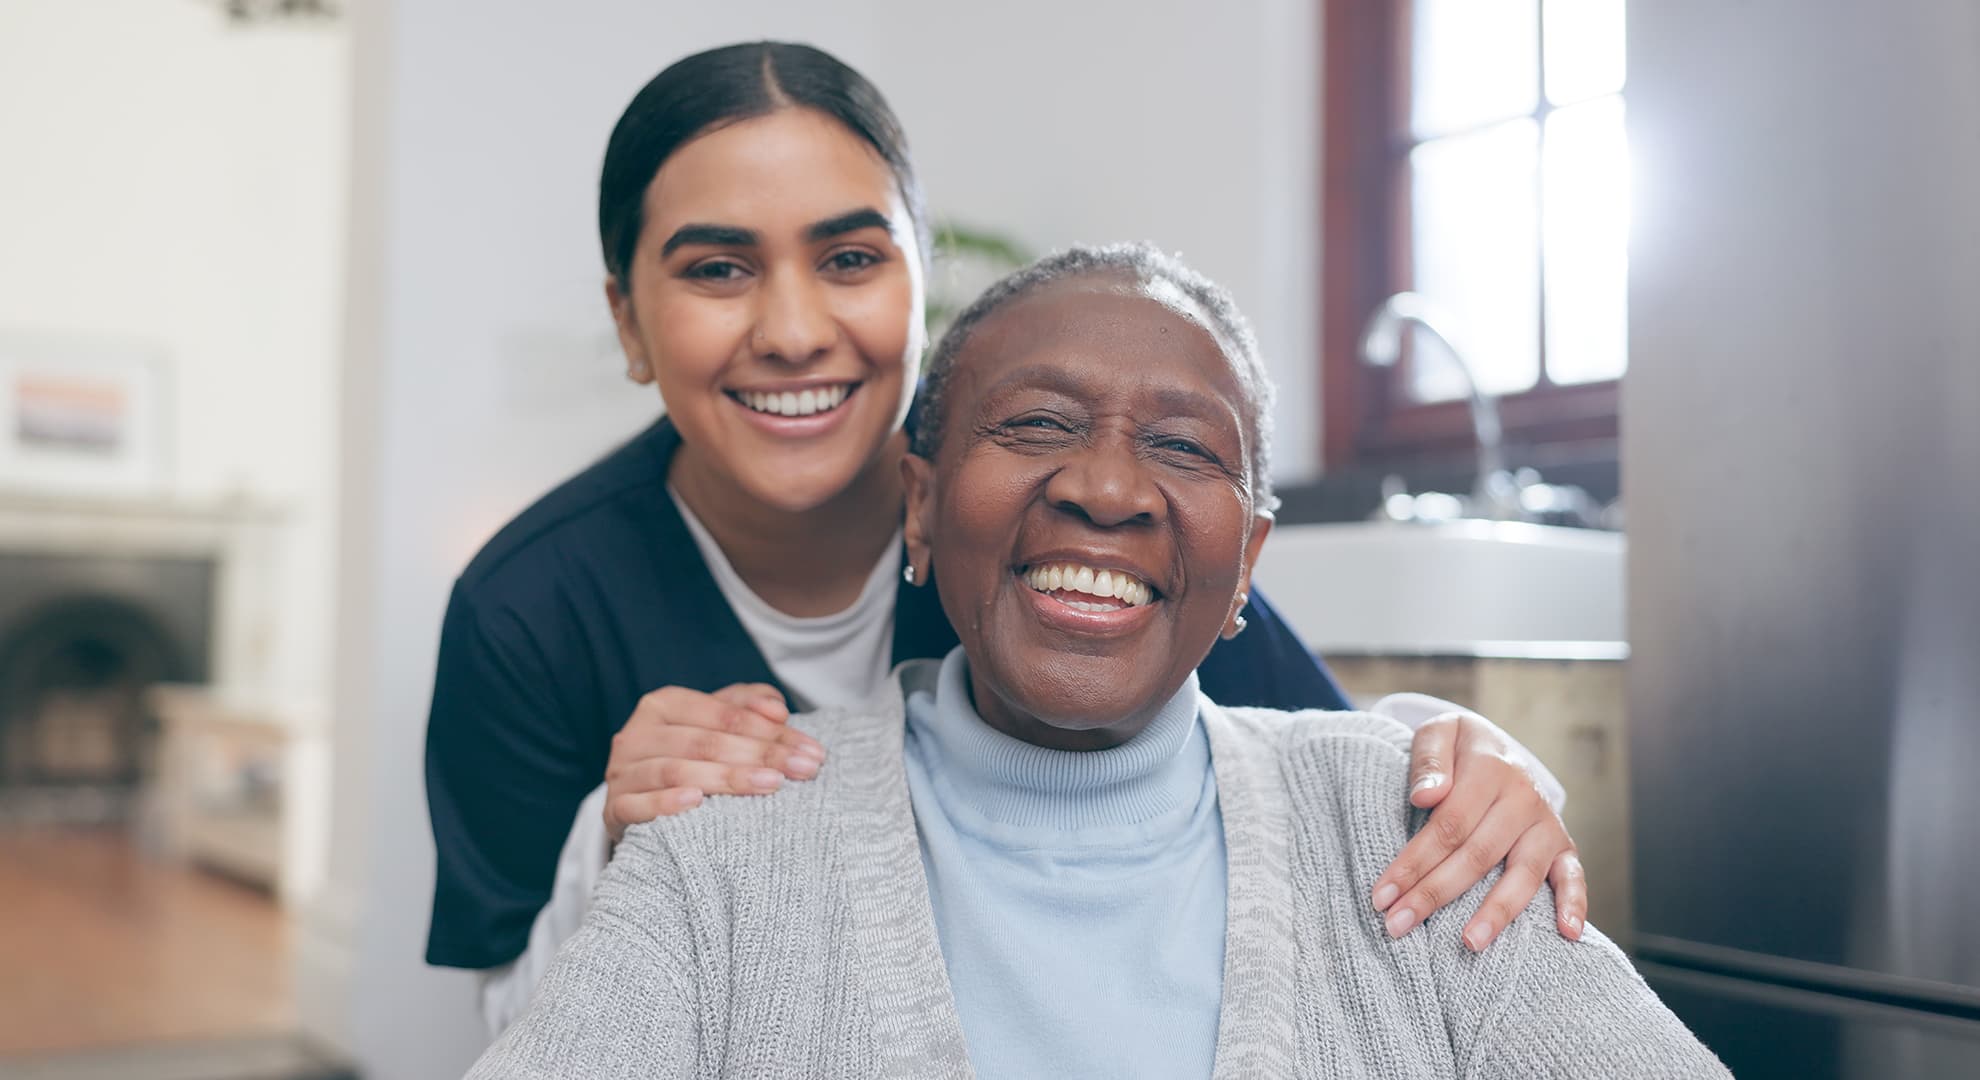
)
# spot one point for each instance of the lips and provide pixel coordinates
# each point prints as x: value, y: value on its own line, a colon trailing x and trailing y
x: 806, y: 401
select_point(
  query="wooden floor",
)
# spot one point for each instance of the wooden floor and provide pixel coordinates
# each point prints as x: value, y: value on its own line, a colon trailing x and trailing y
x: 101, y: 946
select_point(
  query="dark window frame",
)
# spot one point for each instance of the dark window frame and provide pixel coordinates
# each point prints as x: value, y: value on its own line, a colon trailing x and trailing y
x: 1367, y: 418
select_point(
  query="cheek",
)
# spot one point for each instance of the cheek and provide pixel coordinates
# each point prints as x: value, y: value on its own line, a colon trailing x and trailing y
x: 1210, y: 535
x: 992, y: 501
x: 880, y: 319
x: 975, y: 527
x: 691, y: 338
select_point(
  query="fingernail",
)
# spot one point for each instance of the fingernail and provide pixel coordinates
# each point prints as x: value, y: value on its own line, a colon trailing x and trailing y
x: 1387, y: 894
x: 803, y: 766
x: 766, y: 778
x: 1400, y: 920
x: 1477, y: 935
x: 1429, y: 781
x: 1574, y: 924
x: 689, y: 800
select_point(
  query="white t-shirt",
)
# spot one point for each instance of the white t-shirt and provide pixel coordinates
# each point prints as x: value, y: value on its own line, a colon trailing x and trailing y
x: 837, y: 659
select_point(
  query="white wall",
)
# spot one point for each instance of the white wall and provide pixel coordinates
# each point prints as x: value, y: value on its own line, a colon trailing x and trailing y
x: 173, y: 182
x: 480, y: 368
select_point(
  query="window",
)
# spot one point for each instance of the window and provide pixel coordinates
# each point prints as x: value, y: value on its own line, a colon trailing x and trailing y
x: 1475, y: 154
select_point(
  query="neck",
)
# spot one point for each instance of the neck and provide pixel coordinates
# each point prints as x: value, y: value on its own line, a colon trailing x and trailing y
x: 1161, y: 770
x: 1008, y: 718
x: 804, y: 562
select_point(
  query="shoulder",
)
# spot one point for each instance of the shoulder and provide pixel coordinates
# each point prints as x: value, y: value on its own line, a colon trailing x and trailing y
x: 1302, y: 738
x: 1344, y: 775
x: 591, y: 503
x: 862, y: 776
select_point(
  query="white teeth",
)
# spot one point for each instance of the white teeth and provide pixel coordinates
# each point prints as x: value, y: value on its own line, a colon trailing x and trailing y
x: 1071, y: 577
x: 796, y: 403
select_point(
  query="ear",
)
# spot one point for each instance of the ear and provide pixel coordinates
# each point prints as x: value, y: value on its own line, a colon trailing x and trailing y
x: 1261, y: 527
x: 918, y: 479
x: 639, y: 366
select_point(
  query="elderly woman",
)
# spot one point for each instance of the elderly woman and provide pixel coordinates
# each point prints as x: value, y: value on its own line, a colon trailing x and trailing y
x: 1049, y: 854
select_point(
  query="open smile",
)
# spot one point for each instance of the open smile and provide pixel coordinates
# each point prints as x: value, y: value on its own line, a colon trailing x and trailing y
x: 790, y: 412
x: 1084, y: 599
x: 810, y: 401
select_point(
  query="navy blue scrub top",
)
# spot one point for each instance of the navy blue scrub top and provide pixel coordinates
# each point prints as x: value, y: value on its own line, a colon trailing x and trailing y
x: 590, y: 599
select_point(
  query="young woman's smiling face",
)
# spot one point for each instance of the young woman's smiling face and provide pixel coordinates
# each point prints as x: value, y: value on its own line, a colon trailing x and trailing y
x: 1089, y: 514
x: 776, y: 298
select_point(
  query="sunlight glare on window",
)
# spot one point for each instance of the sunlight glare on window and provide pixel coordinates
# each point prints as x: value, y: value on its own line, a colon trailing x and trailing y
x: 1474, y: 211
x: 1585, y: 180
x: 1585, y: 54
x: 1474, y: 62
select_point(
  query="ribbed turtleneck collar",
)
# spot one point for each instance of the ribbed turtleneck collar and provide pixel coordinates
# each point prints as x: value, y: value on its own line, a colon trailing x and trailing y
x: 1015, y: 783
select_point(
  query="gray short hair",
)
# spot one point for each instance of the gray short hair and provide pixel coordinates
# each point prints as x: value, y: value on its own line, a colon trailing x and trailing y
x: 1143, y: 263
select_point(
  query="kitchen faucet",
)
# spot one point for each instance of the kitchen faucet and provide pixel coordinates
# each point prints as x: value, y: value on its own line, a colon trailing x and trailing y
x: 1495, y: 493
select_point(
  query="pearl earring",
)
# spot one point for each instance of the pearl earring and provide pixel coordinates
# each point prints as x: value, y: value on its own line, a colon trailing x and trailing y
x: 1237, y: 621
x: 907, y: 573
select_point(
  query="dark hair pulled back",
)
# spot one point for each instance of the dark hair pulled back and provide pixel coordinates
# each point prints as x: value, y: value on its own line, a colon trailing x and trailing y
x: 721, y: 86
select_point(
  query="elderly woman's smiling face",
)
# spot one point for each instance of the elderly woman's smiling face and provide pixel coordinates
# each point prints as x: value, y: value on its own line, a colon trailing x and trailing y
x: 1089, y: 514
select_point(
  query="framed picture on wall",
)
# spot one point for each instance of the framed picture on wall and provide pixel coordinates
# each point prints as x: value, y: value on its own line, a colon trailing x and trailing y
x: 81, y: 416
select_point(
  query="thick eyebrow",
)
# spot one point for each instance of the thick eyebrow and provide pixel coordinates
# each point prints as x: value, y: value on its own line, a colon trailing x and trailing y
x: 735, y: 236
x: 712, y: 235
x: 865, y: 217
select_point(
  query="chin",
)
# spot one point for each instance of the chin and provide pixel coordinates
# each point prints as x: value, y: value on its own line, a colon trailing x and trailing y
x: 1071, y: 701
x: 798, y: 492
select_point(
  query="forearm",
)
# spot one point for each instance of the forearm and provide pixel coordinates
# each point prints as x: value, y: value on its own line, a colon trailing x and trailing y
x: 611, y: 1006
x: 506, y: 991
x: 620, y: 999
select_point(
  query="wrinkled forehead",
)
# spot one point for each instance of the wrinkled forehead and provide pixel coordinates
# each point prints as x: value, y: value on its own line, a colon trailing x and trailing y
x: 1164, y: 292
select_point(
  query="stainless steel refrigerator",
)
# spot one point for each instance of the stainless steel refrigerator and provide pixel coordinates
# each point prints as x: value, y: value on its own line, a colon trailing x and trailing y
x: 1801, y: 460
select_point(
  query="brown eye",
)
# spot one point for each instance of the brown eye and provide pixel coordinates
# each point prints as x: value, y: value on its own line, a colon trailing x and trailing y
x: 714, y: 270
x: 851, y: 261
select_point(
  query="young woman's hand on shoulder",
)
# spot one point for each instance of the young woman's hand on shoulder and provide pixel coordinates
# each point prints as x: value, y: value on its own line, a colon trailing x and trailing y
x: 1485, y: 809
x: 682, y: 744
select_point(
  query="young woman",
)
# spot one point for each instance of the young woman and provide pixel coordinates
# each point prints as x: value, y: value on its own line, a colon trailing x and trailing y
x: 1051, y: 854
x: 646, y: 625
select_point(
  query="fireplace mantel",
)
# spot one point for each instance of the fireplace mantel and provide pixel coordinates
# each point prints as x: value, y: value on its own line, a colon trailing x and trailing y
x: 243, y: 537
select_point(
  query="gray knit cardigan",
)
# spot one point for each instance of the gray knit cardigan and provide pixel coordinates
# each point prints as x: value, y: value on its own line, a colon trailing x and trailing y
x: 791, y: 935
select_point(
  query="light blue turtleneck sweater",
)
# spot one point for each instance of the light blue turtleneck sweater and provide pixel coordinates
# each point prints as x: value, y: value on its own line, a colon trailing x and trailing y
x: 1078, y: 896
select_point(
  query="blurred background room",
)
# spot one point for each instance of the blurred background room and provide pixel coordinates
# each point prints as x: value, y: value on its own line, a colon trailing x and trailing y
x: 1629, y: 393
